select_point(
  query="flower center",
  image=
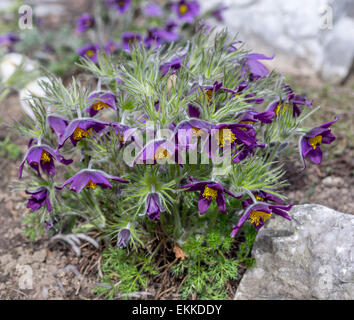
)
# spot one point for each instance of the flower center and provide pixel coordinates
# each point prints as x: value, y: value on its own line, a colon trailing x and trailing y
x: 226, y: 137
x: 277, y: 108
x: 161, y: 153
x: 81, y: 133
x: 259, y: 198
x: 183, y: 8
x: 209, y: 94
x: 196, y: 132
x: 91, y: 185
x: 255, y: 216
x: 315, y: 141
x: 99, y: 105
x: 90, y: 53
x: 209, y: 193
x: 45, y: 157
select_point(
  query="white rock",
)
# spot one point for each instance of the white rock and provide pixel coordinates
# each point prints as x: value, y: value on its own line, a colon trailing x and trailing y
x: 11, y: 61
x: 312, y: 262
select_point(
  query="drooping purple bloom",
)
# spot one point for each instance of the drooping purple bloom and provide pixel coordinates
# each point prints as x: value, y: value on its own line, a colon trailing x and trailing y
x: 217, y: 12
x: 85, y: 22
x: 89, y: 51
x: 259, y: 214
x: 193, y: 111
x: 9, y: 40
x: 79, y: 129
x: 174, y: 65
x: 130, y: 39
x: 310, y: 143
x: 153, y: 38
x: 100, y: 100
x: 261, y: 196
x: 154, y: 206
x: 90, y: 179
x: 38, y: 199
x: 57, y: 124
x: 111, y: 47
x: 209, y: 190
x: 120, y: 5
x: 186, y: 10
x: 168, y: 33
x: 158, y: 150
x: 43, y: 157
x: 153, y: 10
x: 124, y: 236
x: 255, y: 68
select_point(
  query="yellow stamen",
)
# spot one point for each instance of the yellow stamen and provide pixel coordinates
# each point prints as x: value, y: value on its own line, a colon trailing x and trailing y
x: 90, y: 53
x: 226, y: 137
x: 277, y: 108
x: 209, y: 193
x: 255, y: 216
x: 161, y: 153
x: 45, y: 157
x: 259, y: 198
x: 81, y: 133
x: 99, y: 105
x: 197, y: 132
x: 183, y: 8
x: 91, y: 185
x: 315, y: 141
x: 245, y: 122
x: 209, y: 94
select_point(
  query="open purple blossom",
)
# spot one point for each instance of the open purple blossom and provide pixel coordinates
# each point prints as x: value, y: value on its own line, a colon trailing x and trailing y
x: 153, y: 10
x: 261, y: 196
x: 79, y: 129
x: 186, y: 10
x: 258, y: 214
x: 209, y: 190
x: 111, y: 47
x: 154, y: 206
x: 130, y: 39
x: 9, y: 40
x: 311, y: 142
x: 85, y: 22
x: 153, y: 38
x: 89, y: 51
x: 120, y: 5
x: 158, y: 150
x: 90, y: 179
x: 188, y: 132
x: 124, y: 236
x: 43, y: 157
x: 38, y: 199
x: 100, y: 100
x: 57, y: 124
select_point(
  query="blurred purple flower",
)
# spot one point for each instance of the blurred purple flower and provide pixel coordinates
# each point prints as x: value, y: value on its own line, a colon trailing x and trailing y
x: 38, y: 199
x: 85, y: 22
x: 89, y: 51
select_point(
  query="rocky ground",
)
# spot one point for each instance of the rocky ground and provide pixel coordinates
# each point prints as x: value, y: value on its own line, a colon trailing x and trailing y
x: 33, y: 270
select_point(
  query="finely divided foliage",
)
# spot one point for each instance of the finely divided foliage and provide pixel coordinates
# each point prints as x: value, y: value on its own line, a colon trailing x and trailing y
x: 142, y: 149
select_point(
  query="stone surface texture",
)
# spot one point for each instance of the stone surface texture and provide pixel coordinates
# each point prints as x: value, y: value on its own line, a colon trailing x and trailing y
x: 310, y: 257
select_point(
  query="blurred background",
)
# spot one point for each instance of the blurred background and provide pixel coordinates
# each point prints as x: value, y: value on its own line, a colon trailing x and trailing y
x: 313, y: 47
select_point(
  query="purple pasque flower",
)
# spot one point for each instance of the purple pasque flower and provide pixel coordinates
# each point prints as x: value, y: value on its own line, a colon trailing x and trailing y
x: 89, y: 51
x: 217, y: 12
x: 124, y: 236
x: 90, y: 179
x: 168, y: 33
x: 154, y: 206
x: 100, y: 100
x: 209, y: 190
x: 38, y: 199
x: 153, y: 38
x: 311, y: 141
x: 130, y: 39
x: 85, y: 22
x: 193, y: 111
x: 255, y: 68
x: 120, y: 5
x: 9, y: 40
x: 42, y: 156
x: 57, y: 124
x: 258, y: 214
x: 261, y: 196
x: 153, y: 10
x: 111, y: 47
x: 188, y: 132
x: 210, y: 91
x: 81, y: 128
x: 174, y: 65
x: 156, y: 151
x: 186, y: 10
